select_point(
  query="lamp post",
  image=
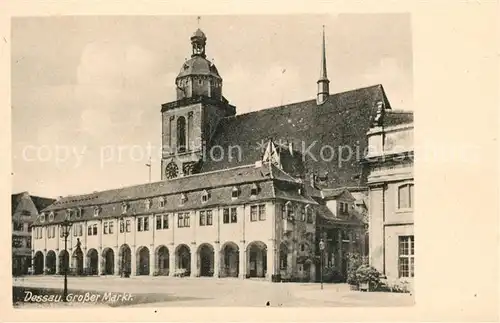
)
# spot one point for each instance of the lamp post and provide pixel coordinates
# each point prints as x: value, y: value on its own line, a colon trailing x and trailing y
x: 321, y: 248
x: 66, y: 226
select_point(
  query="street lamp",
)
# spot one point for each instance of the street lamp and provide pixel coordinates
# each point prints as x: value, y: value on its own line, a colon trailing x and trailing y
x: 66, y: 226
x: 321, y: 248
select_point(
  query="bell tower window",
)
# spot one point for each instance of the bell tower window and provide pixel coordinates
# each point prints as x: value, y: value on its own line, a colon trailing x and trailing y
x: 181, y: 134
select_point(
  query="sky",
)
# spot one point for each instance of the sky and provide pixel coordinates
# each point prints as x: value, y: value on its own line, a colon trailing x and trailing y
x: 87, y: 90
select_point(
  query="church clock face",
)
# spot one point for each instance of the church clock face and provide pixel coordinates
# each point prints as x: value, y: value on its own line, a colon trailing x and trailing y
x: 171, y: 170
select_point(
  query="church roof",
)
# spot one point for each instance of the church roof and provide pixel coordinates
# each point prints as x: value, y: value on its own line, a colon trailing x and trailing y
x: 199, y: 34
x: 198, y: 65
x: 343, y: 120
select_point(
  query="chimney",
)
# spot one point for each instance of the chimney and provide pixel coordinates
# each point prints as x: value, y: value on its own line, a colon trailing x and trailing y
x: 323, y: 82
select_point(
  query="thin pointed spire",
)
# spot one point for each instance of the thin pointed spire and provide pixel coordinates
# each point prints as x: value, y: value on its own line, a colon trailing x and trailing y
x: 323, y: 82
x: 323, y: 75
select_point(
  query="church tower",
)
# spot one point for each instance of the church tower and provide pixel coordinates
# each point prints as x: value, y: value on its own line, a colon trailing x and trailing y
x: 189, y: 122
x: 323, y: 82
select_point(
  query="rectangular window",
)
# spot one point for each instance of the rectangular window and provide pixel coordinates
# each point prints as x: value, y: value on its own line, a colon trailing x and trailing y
x: 139, y: 224
x: 75, y: 232
x: 111, y: 224
x: 94, y: 229
x: 122, y: 226
x: 253, y: 213
x: 209, y: 217
x: 405, y: 196
x: 202, y: 218
x: 186, y: 220
x: 180, y: 220
x: 127, y: 226
x: 146, y: 224
x: 225, y: 216
x: 283, y: 211
x: 105, y: 228
x: 234, y: 215
x: 159, y: 222
x: 262, y: 212
x: 165, y: 221
x: 406, y: 256
x: 89, y: 230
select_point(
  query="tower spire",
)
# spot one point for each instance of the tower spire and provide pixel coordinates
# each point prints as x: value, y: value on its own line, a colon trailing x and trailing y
x: 323, y: 82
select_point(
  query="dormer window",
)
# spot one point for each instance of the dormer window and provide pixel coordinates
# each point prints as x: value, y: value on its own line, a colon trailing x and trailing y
x: 68, y: 214
x: 42, y: 217
x: 147, y: 204
x: 79, y: 212
x: 205, y: 196
x: 254, y: 190
x: 183, y: 198
x: 51, y: 216
x: 124, y: 207
x: 161, y: 202
x: 235, y: 192
x: 97, y: 210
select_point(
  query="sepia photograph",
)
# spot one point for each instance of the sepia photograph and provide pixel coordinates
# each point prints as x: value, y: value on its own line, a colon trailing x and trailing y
x: 213, y: 160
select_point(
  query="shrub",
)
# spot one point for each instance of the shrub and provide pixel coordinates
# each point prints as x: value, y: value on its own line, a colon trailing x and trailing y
x: 368, y: 274
x: 354, y: 261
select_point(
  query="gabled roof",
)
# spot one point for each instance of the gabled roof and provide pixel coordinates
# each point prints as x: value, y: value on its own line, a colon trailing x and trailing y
x: 15, y: 199
x: 343, y: 120
x: 40, y: 203
x: 336, y: 193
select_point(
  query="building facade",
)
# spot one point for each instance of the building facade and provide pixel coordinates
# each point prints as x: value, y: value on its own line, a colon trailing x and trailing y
x: 391, y: 195
x: 25, y: 209
x: 244, y: 196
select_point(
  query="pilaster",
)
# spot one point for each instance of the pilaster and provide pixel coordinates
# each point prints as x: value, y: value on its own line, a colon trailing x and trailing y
x: 243, y: 260
x: 152, y: 262
x: 171, y: 260
x: 217, y: 257
x: 133, y: 259
x: 194, y: 260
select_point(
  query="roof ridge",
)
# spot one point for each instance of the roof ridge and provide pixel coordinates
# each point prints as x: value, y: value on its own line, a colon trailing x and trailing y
x: 303, y: 101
